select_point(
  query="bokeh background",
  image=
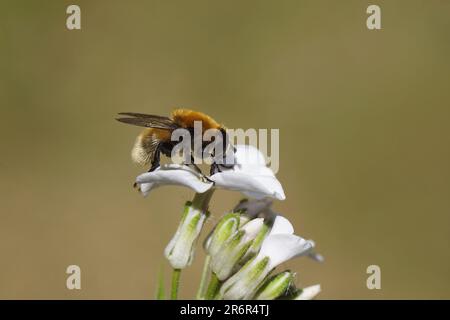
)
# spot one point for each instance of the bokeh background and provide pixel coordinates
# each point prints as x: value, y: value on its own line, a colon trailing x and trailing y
x: 364, y: 129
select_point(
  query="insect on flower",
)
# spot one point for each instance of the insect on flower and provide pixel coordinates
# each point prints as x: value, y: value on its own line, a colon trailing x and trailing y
x: 157, y: 137
x: 249, y: 242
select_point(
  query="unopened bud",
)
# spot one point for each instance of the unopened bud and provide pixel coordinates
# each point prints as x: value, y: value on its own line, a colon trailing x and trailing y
x: 180, y: 250
x: 230, y: 253
x: 226, y: 227
x: 275, y: 286
x: 244, y: 283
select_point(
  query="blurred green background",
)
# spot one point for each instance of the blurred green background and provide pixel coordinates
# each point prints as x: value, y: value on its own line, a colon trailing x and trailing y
x: 364, y: 128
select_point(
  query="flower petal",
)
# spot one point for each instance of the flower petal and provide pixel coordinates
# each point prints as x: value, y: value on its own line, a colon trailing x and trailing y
x: 248, y: 155
x: 145, y: 188
x: 251, y: 185
x: 309, y: 293
x: 250, y: 175
x: 272, y: 183
x: 172, y: 174
x: 282, y: 247
x: 281, y: 225
x: 252, y: 229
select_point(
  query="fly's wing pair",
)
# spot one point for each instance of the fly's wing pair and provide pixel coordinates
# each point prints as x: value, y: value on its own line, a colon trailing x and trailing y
x: 148, y: 121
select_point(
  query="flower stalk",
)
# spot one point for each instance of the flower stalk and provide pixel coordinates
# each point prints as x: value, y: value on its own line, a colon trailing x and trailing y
x: 206, y: 273
x: 176, y: 273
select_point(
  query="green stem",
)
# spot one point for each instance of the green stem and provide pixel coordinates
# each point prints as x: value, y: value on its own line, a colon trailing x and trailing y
x: 160, y: 292
x: 205, y: 273
x: 213, y: 287
x: 175, y: 283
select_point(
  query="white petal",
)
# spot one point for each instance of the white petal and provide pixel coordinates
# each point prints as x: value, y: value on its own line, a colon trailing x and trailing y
x: 254, y: 195
x: 249, y: 155
x: 249, y: 159
x: 249, y: 175
x: 172, y: 175
x: 272, y: 183
x: 145, y: 188
x: 282, y: 247
x: 281, y: 225
x: 257, y: 186
x: 252, y: 229
x: 309, y: 293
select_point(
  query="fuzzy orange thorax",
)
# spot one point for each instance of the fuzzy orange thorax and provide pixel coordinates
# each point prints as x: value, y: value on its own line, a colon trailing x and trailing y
x: 185, y: 118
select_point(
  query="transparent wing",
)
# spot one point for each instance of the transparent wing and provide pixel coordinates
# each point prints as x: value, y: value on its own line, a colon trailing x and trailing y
x: 147, y: 120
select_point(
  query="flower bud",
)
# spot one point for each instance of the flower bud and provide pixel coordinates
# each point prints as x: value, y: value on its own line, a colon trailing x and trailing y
x: 275, y: 286
x: 226, y: 227
x: 180, y: 250
x: 256, y: 244
x: 243, y: 284
x: 229, y: 254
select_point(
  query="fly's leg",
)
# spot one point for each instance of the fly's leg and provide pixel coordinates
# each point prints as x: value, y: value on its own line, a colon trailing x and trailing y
x: 198, y: 170
x: 156, y: 159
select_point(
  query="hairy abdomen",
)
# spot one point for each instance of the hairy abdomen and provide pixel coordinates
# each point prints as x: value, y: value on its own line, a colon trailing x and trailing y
x: 146, y: 143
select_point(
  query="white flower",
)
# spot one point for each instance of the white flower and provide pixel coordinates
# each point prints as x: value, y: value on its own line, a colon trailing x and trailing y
x: 308, y: 293
x: 280, y: 225
x: 275, y: 249
x: 231, y: 244
x: 249, y: 175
